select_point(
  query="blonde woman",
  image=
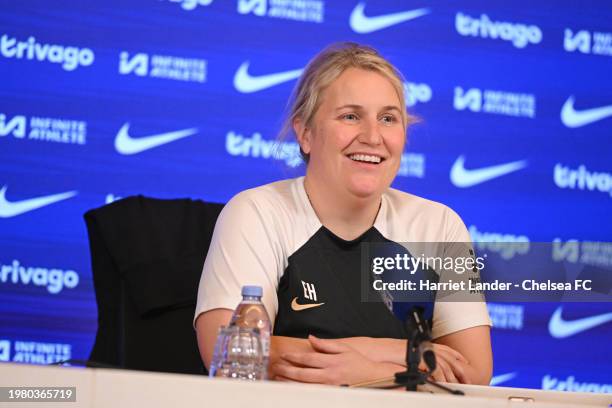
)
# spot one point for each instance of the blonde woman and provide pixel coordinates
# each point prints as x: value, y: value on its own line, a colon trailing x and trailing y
x: 300, y: 238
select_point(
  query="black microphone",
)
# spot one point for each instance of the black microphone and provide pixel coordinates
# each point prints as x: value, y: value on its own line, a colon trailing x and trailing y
x: 419, y: 331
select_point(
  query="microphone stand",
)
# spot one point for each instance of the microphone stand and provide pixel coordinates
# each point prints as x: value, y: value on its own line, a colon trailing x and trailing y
x: 418, y: 333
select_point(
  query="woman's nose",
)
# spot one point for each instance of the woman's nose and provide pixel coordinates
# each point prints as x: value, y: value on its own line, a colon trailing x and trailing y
x: 370, y: 133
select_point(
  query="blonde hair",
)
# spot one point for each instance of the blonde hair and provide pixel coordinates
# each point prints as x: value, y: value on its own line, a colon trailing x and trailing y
x: 328, y: 65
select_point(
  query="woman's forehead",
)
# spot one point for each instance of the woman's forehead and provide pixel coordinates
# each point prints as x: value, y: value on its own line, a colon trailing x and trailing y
x: 357, y: 86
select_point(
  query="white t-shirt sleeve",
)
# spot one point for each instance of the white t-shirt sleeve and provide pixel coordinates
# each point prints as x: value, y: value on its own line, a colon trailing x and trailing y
x: 451, y: 315
x: 244, y: 250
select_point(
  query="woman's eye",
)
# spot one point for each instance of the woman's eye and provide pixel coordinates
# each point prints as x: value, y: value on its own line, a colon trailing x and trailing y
x: 388, y: 119
x: 349, y: 116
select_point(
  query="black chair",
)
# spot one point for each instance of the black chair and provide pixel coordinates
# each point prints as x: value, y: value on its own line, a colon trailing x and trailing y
x: 147, y: 257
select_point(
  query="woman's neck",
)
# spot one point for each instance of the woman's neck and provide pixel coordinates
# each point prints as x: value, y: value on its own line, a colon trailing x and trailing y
x: 345, y: 215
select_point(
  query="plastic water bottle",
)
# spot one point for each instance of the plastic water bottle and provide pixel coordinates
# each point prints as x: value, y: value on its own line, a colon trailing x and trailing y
x: 251, y: 313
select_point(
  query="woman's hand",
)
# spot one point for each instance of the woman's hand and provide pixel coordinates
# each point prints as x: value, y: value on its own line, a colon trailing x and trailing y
x: 451, y: 366
x: 463, y: 356
x: 475, y: 345
x: 330, y: 362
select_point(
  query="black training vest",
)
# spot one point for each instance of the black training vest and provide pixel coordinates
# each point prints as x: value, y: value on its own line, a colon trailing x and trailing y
x: 320, y: 292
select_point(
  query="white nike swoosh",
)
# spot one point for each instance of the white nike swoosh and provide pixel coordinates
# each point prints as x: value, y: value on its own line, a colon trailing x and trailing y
x: 573, y: 118
x: 559, y: 328
x: 10, y: 209
x: 462, y: 177
x: 125, y: 144
x: 498, y: 379
x: 362, y: 24
x: 245, y: 83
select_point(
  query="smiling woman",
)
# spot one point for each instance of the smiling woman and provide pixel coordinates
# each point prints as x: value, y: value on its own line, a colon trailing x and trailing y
x: 355, y: 140
x: 300, y: 239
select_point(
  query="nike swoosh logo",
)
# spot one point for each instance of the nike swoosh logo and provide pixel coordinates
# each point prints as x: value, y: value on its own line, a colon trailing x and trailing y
x: 573, y: 118
x: 502, y: 378
x: 11, y: 209
x: 559, y: 328
x: 126, y: 144
x: 297, y: 307
x: 362, y: 24
x: 462, y: 177
x: 246, y: 83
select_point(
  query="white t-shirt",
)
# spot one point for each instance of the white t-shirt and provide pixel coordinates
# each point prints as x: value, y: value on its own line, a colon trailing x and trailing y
x: 270, y: 236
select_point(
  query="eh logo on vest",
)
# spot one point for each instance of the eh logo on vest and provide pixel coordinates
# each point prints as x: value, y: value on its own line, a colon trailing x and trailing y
x: 310, y: 293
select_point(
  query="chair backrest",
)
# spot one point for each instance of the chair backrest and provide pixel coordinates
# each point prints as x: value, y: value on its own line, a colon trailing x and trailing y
x: 147, y: 256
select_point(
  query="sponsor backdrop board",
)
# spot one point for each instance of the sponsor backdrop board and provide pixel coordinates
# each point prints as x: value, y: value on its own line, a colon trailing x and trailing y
x: 184, y: 98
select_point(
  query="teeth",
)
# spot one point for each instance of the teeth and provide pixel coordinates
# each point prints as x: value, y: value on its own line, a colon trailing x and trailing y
x: 365, y: 158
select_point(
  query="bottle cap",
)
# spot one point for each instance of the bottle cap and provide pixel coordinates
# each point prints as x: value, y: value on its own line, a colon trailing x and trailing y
x: 251, y: 290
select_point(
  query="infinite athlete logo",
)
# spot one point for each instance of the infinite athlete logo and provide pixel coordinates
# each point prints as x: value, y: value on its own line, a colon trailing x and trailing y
x: 44, y: 129
x: 462, y: 177
x: 13, y: 208
x: 573, y: 118
x: 561, y: 328
x: 163, y: 66
x: 247, y: 83
x: 5, y: 350
x: 298, y: 10
x: 127, y: 145
x: 588, y: 42
x: 495, y: 102
x: 362, y: 24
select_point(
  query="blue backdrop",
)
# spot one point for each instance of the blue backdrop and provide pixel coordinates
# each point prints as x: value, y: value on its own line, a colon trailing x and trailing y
x: 184, y: 98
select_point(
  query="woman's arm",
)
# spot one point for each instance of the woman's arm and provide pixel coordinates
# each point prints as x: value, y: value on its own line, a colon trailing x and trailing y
x: 329, y: 362
x: 207, y: 326
x: 464, y: 356
x: 475, y: 345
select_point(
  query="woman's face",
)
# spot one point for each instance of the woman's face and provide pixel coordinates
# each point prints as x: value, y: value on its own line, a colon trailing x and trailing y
x: 357, y: 137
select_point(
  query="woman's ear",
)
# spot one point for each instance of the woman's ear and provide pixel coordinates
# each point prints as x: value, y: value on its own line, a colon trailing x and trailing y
x: 303, y: 135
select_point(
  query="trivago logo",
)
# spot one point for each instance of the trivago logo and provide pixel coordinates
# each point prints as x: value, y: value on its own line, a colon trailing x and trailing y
x: 54, y: 279
x: 520, y: 35
x: 582, y: 179
x: 192, y: 4
x: 570, y: 384
x: 416, y: 92
x: 69, y: 57
x: 258, y: 147
x: 507, y: 245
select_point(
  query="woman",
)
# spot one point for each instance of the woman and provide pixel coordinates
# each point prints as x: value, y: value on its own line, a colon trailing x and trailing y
x: 300, y: 239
